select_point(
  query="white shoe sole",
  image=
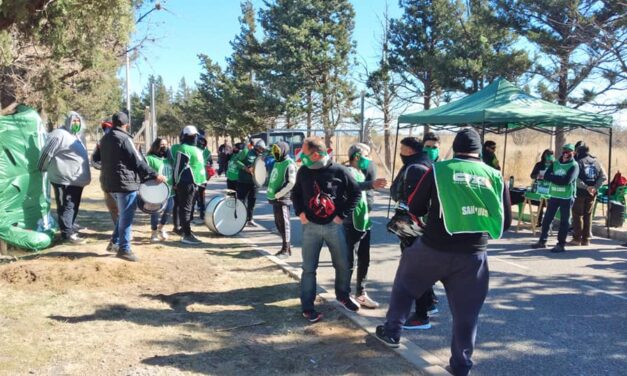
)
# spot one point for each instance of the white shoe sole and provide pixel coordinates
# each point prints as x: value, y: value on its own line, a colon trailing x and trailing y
x: 420, y: 327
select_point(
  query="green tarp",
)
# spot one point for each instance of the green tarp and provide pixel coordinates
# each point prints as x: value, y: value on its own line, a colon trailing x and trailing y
x: 502, y: 104
x: 25, y: 219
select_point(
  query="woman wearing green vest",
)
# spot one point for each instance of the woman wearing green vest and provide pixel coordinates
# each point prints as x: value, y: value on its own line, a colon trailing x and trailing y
x: 232, y: 170
x: 158, y: 159
x: 189, y: 172
x: 280, y: 184
x: 562, y: 175
x: 207, y: 161
x: 539, y: 185
x: 466, y: 202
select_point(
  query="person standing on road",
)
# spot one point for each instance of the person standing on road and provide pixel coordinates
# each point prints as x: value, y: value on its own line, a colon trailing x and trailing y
x: 488, y: 155
x: 189, y: 172
x: 246, y: 189
x: 65, y: 158
x: 325, y: 194
x: 207, y: 162
x: 158, y: 159
x: 591, y: 177
x: 540, y: 186
x: 224, y: 154
x: 123, y: 167
x: 358, y: 225
x: 416, y: 163
x: 280, y: 184
x: 466, y: 202
x: 562, y: 175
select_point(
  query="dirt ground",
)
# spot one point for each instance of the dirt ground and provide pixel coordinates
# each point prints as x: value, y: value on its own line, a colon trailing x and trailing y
x: 219, y: 308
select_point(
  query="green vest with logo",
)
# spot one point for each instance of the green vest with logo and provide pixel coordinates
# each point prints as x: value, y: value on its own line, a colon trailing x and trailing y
x: 196, y: 161
x: 563, y: 191
x: 471, y: 197
x: 162, y: 166
x: 232, y: 170
x: 278, y: 177
x: 361, y: 217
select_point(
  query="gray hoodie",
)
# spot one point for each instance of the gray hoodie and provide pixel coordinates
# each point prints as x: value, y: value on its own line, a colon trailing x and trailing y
x: 64, y: 156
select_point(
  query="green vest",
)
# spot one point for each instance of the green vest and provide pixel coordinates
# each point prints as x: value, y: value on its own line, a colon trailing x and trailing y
x: 278, y: 177
x: 162, y: 166
x: 562, y: 191
x: 196, y: 161
x: 471, y: 197
x: 361, y: 217
x: 232, y: 171
x: 206, y: 155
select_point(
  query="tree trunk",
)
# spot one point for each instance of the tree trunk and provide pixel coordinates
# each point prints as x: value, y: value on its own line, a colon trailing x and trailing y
x: 309, y: 111
x: 562, y: 96
x: 427, y: 102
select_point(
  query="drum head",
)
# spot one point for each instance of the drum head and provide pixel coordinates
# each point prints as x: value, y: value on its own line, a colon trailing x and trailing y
x: 153, y: 192
x: 226, y: 216
x: 149, y: 208
x: 260, y: 174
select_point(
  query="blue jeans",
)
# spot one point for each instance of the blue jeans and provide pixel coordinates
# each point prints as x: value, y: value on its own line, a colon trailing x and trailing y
x: 127, y: 203
x: 314, y: 235
x: 165, y: 214
x: 564, y: 206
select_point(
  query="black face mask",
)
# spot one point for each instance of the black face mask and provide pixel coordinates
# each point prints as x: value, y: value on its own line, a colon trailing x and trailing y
x: 407, y: 158
x: 163, y: 152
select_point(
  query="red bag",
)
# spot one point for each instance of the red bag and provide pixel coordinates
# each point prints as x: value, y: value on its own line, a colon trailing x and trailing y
x: 210, y: 172
x: 618, y: 181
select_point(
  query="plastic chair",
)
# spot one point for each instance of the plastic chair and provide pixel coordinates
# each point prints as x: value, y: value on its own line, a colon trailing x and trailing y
x: 601, y: 199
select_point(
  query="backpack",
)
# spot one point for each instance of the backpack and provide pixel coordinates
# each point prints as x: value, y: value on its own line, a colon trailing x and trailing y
x: 617, y: 181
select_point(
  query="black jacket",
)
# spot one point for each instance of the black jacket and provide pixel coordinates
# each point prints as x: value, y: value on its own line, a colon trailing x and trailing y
x: 335, y: 181
x: 123, y: 167
x: 409, y: 176
x: 371, y: 174
x: 425, y: 200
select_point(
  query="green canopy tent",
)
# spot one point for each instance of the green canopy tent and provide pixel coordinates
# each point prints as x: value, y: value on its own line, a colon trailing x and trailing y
x: 502, y: 108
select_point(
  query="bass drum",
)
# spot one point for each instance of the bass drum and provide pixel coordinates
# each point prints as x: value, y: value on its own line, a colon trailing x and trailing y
x: 153, y: 197
x: 260, y: 173
x: 225, y: 215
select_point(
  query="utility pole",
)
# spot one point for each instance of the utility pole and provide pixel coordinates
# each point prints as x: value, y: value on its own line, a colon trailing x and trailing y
x: 362, y: 117
x: 153, y: 114
x: 128, y: 87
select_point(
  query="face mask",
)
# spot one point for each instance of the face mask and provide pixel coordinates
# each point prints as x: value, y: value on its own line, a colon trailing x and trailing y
x: 315, y: 165
x: 75, y: 128
x: 550, y: 159
x: 406, y: 158
x: 431, y: 152
x: 363, y: 163
x: 163, y: 151
x: 276, y: 152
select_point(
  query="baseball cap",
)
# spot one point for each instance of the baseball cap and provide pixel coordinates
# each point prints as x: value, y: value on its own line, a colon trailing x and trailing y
x: 119, y: 119
x: 190, y: 130
x: 569, y: 147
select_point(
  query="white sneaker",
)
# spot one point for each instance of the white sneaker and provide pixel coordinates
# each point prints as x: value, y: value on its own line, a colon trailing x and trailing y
x: 163, y: 234
x: 155, y: 236
x: 113, y: 248
x: 365, y: 301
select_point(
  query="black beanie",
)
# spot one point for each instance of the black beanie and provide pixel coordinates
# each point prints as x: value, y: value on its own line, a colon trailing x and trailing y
x: 467, y: 141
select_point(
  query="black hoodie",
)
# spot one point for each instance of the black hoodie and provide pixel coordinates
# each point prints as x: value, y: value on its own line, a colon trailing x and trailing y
x: 409, y: 176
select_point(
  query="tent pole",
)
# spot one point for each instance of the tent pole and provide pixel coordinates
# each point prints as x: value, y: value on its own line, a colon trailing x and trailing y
x: 505, y: 153
x: 398, y: 127
x: 609, y: 180
x: 482, y: 133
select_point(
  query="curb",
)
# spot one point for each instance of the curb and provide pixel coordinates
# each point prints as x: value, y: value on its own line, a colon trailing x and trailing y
x: 423, y: 360
x: 614, y: 234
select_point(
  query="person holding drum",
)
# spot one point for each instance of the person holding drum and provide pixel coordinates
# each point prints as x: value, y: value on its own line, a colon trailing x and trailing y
x: 158, y: 159
x: 207, y: 161
x: 123, y: 167
x: 189, y: 172
x: 246, y: 188
x: 358, y: 225
x: 232, y: 171
x: 282, y: 180
x: 325, y: 194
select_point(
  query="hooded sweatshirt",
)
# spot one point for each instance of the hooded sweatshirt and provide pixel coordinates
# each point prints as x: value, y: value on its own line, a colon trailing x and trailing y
x: 64, y: 155
x: 282, y: 177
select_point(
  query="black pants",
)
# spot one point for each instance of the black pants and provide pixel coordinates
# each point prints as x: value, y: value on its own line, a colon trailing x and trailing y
x: 564, y: 206
x: 248, y: 194
x: 185, y: 194
x: 231, y: 184
x: 582, y: 216
x: 358, y: 243
x: 426, y: 300
x: 282, y: 221
x: 68, y: 198
x: 200, y: 201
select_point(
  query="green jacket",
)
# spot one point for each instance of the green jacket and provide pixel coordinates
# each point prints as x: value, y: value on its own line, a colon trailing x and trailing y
x: 196, y: 163
x: 162, y: 166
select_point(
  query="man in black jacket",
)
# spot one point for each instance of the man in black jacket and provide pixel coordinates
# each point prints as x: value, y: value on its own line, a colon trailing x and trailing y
x: 324, y: 194
x: 123, y: 169
x: 452, y: 249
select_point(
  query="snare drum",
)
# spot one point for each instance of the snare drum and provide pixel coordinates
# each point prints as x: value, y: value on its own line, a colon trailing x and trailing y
x: 260, y: 173
x: 225, y: 215
x: 153, y: 197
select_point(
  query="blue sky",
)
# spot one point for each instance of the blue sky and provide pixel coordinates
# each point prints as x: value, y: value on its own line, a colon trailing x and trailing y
x: 207, y: 26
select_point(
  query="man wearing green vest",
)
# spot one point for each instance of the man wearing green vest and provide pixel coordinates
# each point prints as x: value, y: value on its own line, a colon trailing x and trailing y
x: 466, y: 202
x: 207, y: 161
x: 246, y: 189
x: 189, y: 172
x: 158, y: 159
x: 562, y: 175
x: 357, y: 226
x: 280, y: 184
x: 232, y: 170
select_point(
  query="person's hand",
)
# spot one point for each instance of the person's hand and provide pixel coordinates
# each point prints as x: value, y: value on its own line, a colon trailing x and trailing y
x: 337, y: 220
x: 249, y: 170
x: 541, y: 175
x: 379, y: 183
x: 303, y: 218
x: 161, y: 179
x: 592, y: 191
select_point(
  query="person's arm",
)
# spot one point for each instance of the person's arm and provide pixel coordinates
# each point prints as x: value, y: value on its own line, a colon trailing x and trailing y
x: 137, y: 162
x: 602, y: 178
x: 567, y: 179
x: 371, y: 174
x: 291, y: 180
x: 413, y: 175
x: 535, y: 171
x: 352, y: 194
x: 47, y: 153
x: 297, y: 194
x: 581, y: 179
x: 507, y: 209
x: 96, y: 157
x: 420, y: 198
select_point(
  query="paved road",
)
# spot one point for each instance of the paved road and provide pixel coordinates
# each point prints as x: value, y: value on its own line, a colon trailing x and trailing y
x: 546, y: 314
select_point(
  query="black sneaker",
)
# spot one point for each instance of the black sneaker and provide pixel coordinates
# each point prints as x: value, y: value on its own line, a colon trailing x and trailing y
x: 283, y: 253
x: 127, y: 255
x: 559, y: 248
x: 312, y: 316
x: 387, y: 340
x: 416, y: 323
x: 178, y: 231
x: 190, y: 239
x: 350, y: 304
x: 538, y: 245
